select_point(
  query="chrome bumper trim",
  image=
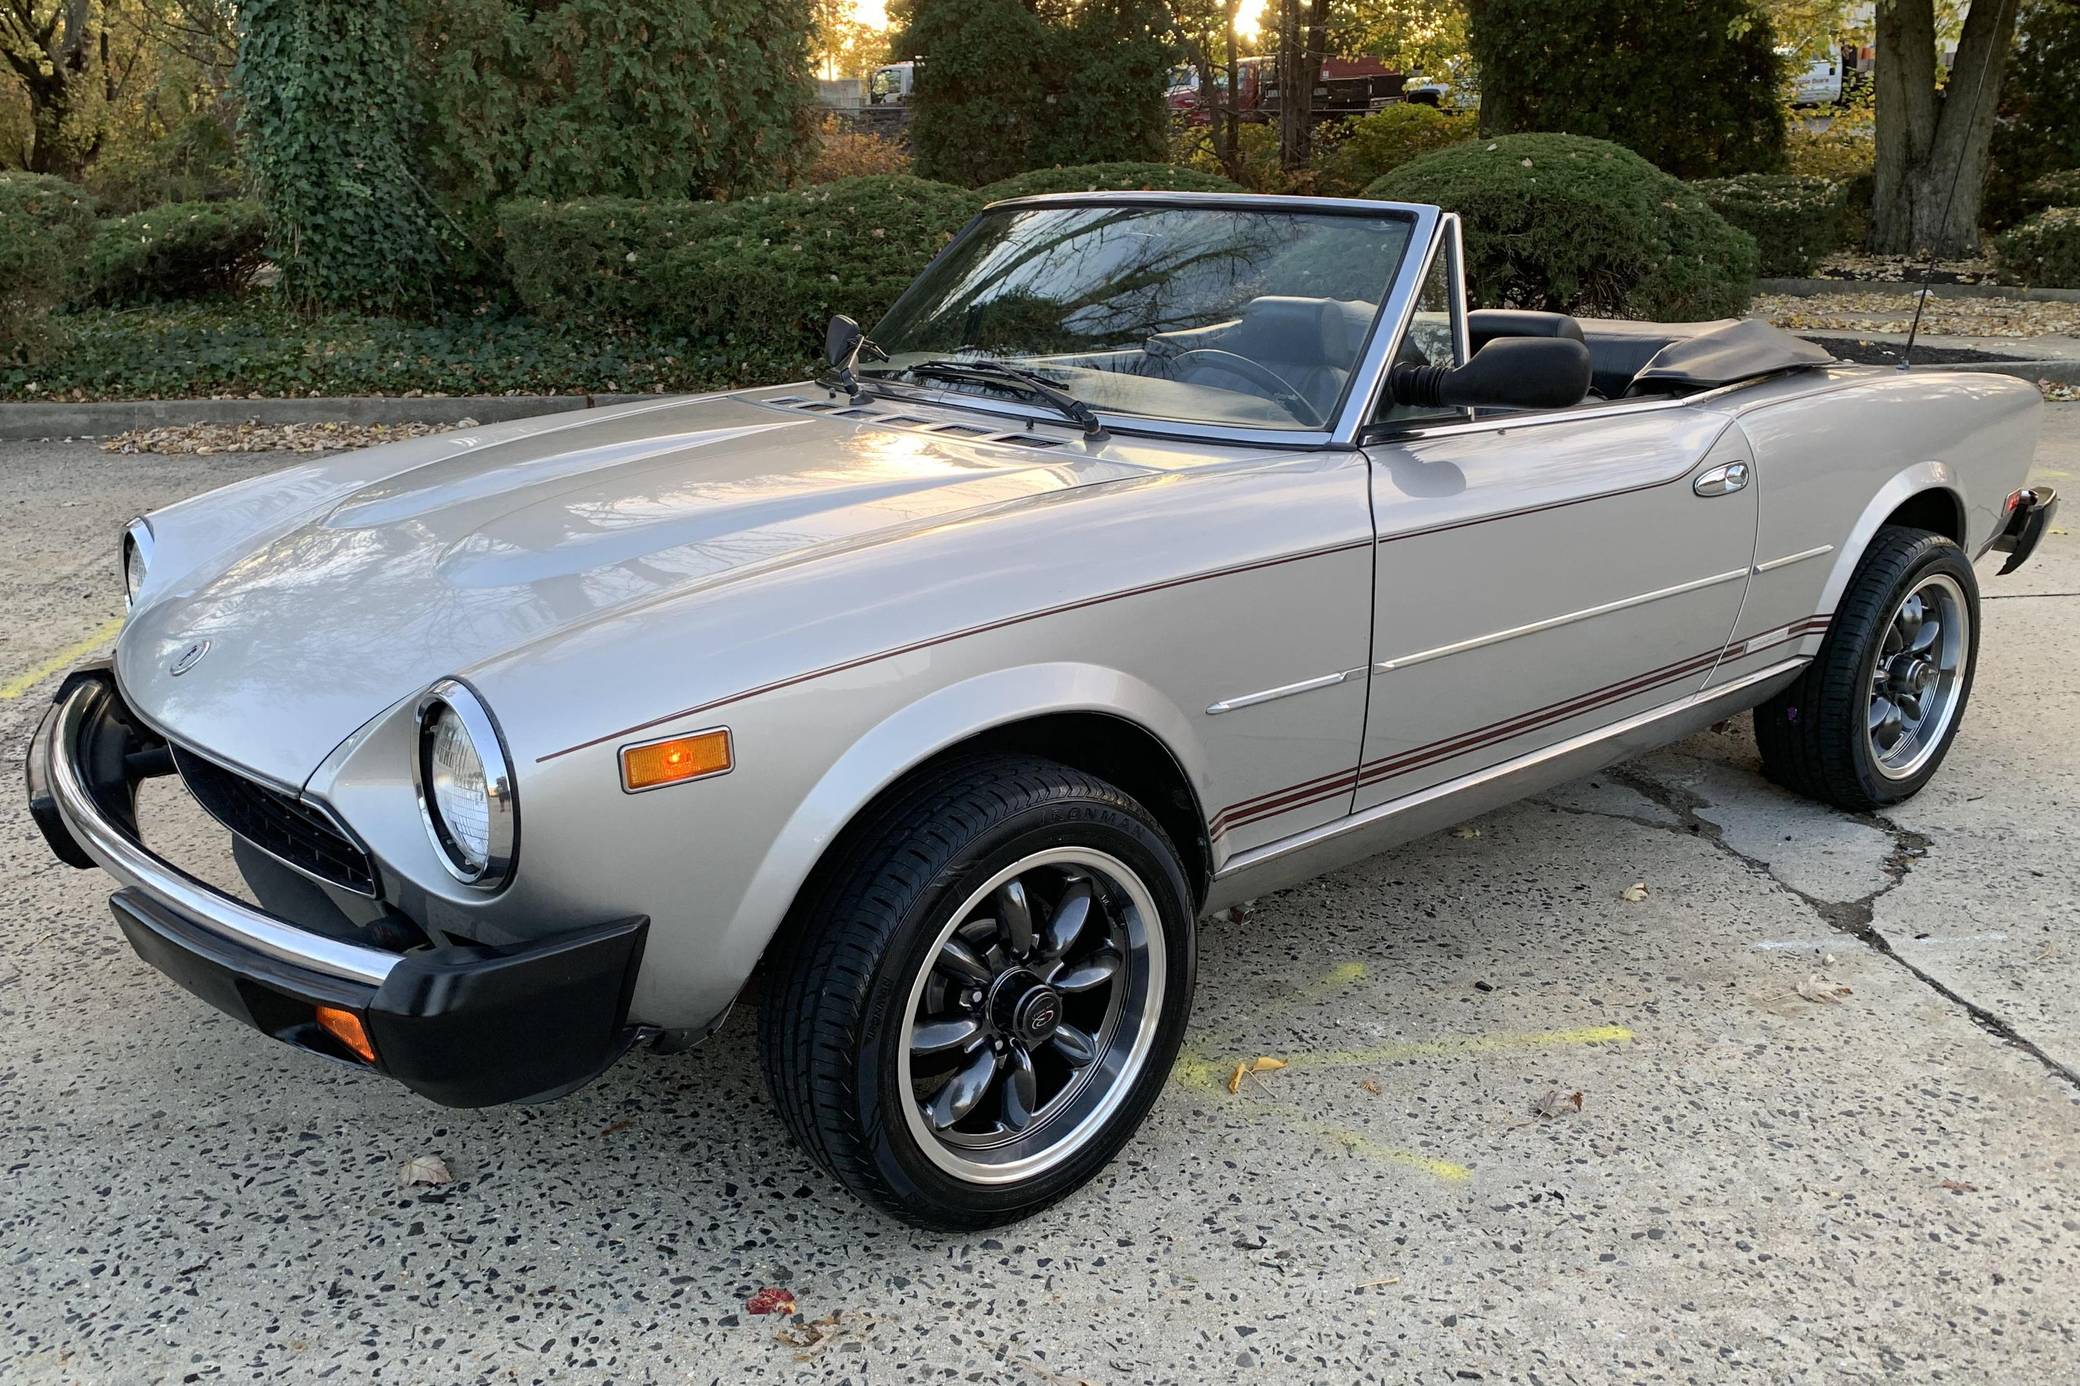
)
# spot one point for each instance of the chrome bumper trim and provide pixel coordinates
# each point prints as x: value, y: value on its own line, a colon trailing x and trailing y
x: 122, y: 856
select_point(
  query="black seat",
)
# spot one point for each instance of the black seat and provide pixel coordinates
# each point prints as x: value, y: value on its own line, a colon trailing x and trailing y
x: 1311, y: 342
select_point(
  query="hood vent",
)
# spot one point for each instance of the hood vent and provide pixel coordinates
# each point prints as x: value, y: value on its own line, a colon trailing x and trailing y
x: 866, y: 413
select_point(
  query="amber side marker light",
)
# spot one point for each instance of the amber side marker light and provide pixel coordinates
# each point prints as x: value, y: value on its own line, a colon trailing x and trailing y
x: 345, y: 1027
x: 655, y: 764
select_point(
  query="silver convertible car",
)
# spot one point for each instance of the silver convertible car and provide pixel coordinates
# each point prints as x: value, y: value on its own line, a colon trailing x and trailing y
x: 1154, y: 552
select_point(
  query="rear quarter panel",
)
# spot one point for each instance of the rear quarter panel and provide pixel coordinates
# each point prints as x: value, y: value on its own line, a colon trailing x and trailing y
x: 1837, y: 452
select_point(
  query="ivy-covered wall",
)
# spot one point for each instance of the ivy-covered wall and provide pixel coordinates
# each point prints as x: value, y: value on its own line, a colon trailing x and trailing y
x: 328, y: 139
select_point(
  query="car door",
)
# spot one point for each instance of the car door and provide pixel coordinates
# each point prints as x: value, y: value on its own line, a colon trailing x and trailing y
x: 1540, y: 576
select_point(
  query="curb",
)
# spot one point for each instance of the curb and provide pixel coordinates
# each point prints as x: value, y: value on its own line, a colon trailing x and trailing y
x: 1814, y: 288
x: 20, y: 422
x: 2057, y: 370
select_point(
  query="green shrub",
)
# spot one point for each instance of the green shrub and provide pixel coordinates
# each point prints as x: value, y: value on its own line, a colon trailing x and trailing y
x: 762, y: 275
x: 1690, y: 87
x: 609, y: 98
x: 183, y: 250
x: 573, y: 259
x: 1119, y: 177
x: 45, y: 225
x: 1706, y: 271
x: 195, y: 161
x: 1795, y: 221
x: 255, y: 346
x: 2044, y: 251
x: 1006, y: 86
x: 1577, y: 225
x: 2038, y: 132
x: 770, y: 271
x: 1377, y: 144
x: 2052, y: 190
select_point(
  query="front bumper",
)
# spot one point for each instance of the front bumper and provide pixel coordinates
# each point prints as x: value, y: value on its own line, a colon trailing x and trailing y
x: 2027, y: 521
x: 465, y: 1025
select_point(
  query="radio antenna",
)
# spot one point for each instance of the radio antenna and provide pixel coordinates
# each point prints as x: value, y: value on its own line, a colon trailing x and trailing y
x: 1906, y: 355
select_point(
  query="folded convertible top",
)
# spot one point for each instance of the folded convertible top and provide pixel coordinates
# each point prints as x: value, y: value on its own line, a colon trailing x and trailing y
x: 1723, y: 356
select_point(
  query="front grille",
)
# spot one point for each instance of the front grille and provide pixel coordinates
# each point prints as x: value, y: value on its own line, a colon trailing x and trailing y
x: 279, y: 824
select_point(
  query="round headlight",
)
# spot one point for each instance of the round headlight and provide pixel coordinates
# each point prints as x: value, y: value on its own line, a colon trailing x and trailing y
x: 137, y: 558
x: 465, y: 786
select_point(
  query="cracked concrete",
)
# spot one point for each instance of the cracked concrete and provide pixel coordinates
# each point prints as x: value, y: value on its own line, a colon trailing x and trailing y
x: 1869, y: 1179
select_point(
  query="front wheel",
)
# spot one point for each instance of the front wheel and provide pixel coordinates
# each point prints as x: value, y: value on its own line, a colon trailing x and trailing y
x: 976, y: 1004
x: 1872, y: 717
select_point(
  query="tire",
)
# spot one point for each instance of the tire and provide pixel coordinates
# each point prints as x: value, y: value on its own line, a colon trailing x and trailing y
x: 1826, y: 736
x: 923, y: 1060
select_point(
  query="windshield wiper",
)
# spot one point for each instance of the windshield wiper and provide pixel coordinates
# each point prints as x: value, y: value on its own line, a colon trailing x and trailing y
x: 997, y: 373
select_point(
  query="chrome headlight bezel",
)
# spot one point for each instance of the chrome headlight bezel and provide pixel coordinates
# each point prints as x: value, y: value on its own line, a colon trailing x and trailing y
x: 134, y: 559
x: 455, y: 698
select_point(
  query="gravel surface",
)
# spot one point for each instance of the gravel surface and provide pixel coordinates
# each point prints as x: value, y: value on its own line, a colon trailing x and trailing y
x: 1892, y: 310
x: 1829, y: 1124
x: 208, y: 439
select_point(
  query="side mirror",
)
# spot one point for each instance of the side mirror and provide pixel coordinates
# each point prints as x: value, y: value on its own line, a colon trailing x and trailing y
x: 841, y: 342
x: 1509, y: 372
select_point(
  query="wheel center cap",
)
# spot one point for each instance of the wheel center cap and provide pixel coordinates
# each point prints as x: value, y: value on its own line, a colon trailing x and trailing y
x: 1914, y: 676
x: 1039, y: 1012
x: 1025, y: 1007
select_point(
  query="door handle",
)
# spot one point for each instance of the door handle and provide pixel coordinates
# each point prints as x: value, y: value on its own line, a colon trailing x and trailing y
x: 1722, y: 481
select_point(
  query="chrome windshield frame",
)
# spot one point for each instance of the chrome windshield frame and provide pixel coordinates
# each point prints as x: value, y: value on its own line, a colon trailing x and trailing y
x: 1366, y: 376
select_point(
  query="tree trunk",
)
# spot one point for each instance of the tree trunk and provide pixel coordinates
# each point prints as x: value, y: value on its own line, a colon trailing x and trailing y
x: 1230, y: 140
x: 1932, y: 146
x: 50, y: 104
x: 1295, y: 89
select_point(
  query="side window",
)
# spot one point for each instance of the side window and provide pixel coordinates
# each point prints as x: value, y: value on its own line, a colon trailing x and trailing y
x: 1432, y: 340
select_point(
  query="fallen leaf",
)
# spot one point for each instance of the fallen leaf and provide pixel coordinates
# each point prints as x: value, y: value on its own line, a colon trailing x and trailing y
x: 617, y: 1126
x: 424, y: 1169
x: 1263, y: 1063
x: 1958, y: 1186
x: 1557, y: 1104
x: 1818, y: 988
x: 1372, y: 1086
x: 818, y: 1336
x: 1634, y: 893
x: 770, y: 1301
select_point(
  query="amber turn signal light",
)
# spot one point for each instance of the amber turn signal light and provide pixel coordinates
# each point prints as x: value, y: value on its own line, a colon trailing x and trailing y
x: 655, y: 764
x: 346, y: 1027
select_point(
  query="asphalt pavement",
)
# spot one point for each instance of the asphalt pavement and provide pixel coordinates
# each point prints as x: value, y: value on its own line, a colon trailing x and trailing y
x: 1828, y: 1125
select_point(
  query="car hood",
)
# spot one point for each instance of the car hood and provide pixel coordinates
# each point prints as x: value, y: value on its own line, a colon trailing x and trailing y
x: 400, y: 577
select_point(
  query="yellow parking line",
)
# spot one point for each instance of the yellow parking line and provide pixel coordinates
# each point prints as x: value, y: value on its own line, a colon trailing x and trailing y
x: 21, y: 683
x: 1197, y: 1072
x: 1501, y: 1042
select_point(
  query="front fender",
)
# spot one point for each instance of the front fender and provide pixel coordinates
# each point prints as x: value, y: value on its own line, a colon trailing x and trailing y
x: 915, y: 733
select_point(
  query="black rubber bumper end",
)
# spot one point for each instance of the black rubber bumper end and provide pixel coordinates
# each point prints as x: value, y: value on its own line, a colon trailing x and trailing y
x: 470, y: 1027
x: 463, y: 1026
x: 2026, y: 525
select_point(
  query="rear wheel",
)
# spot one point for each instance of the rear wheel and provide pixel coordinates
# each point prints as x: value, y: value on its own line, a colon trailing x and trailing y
x: 976, y: 1005
x: 1872, y: 717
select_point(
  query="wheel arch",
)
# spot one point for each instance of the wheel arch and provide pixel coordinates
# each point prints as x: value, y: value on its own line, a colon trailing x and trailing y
x: 1927, y: 495
x: 1100, y: 721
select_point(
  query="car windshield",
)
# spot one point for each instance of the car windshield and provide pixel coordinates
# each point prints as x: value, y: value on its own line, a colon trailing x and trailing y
x: 1193, y: 314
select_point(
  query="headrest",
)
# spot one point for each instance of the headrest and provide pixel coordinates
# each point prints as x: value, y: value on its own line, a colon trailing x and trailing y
x: 1306, y: 331
x: 1485, y: 325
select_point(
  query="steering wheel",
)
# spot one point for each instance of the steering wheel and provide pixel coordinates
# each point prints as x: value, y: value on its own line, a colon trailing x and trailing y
x: 1281, y: 391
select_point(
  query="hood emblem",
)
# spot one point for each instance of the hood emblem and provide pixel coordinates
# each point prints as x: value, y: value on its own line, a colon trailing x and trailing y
x: 188, y: 658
